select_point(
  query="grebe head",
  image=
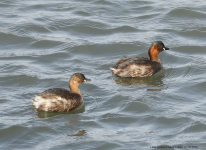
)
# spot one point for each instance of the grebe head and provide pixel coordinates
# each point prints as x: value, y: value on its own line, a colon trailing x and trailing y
x: 77, y: 79
x: 155, y: 48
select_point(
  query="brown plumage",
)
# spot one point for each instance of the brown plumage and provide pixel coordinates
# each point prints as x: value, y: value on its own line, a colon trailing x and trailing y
x: 140, y: 66
x: 59, y: 99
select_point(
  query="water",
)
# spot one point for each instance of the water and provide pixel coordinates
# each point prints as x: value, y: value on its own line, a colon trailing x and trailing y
x: 42, y: 43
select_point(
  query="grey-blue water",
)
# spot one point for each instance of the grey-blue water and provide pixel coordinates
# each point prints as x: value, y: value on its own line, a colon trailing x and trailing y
x: 42, y: 43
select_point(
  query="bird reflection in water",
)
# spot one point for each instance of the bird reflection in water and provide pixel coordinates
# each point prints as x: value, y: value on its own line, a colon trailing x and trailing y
x: 80, y: 133
x: 43, y: 114
x: 155, y: 82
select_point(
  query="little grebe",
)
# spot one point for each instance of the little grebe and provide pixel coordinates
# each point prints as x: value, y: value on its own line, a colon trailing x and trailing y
x: 140, y: 66
x: 59, y: 99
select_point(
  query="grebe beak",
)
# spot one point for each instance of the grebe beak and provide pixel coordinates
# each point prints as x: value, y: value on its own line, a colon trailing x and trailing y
x: 86, y: 80
x: 165, y: 48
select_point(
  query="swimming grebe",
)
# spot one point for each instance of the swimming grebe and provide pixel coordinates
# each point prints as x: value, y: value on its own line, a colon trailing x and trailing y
x: 59, y: 99
x: 140, y: 66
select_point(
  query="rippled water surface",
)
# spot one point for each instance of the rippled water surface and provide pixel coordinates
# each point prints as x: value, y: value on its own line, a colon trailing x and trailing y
x: 42, y: 43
